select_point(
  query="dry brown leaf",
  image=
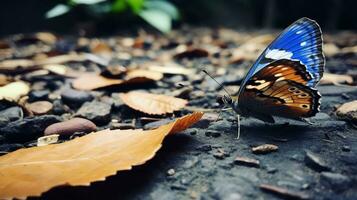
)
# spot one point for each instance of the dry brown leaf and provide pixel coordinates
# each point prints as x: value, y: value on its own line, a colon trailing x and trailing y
x: 13, y: 91
x: 146, y: 74
x: 32, y: 171
x: 92, y: 81
x: 154, y: 104
x: 171, y: 69
x: 336, y: 79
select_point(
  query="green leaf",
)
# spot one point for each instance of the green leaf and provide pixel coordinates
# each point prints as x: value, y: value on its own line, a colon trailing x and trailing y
x: 119, y: 6
x: 157, y: 18
x: 165, y: 6
x: 87, y: 2
x: 58, y: 10
x: 136, y: 5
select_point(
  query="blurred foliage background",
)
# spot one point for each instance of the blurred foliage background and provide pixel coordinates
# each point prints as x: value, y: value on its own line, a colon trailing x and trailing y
x: 102, y: 17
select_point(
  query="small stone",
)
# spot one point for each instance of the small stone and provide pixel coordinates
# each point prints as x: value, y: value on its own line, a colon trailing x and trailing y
x: 29, y: 128
x: 170, y: 172
x: 40, y: 107
x: 337, y: 182
x: 38, y: 95
x: 346, y: 148
x: 265, y: 148
x: 348, y: 111
x: 71, y: 126
x: 10, y: 114
x: 95, y: 111
x: 222, y: 126
x: 48, y: 139
x: 10, y: 147
x: 315, y: 162
x: 75, y: 98
x: 250, y: 162
x: 59, y: 108
x: 220, y: 154
x: 211, y: 133
x: 205, y: 148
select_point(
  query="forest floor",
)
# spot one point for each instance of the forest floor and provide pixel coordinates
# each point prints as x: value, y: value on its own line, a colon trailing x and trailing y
x: 317, y: 161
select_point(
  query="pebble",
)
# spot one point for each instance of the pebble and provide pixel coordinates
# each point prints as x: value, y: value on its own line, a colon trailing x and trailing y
x: 348, y: 111
x: 75, y: 98
x: 265, y: 148
x: 220, y: 154
x: 10, y: 114
x: 315, y: 162
x: 58, y: 107
x: 346, y: 148
x: 170, y: 172
x: 336, y: 181
x: 222, y: 126
x: 205, y: 148
x: 38, y: 95
x: 95, y: 111
x: 29, y: 128
x: 250, y: 162
x: 71, y: 126
x: 212, y: 133
x: 40, y: 107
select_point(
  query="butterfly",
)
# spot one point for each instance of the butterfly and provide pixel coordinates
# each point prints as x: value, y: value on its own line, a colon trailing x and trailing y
x: 283, y: 79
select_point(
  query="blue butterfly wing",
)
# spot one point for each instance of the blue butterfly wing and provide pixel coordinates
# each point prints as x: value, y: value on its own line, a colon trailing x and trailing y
x: 301, y: 41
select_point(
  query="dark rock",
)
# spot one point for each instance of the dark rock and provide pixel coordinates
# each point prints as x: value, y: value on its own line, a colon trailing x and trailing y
x: 38, y: 95
x: 205, y: 147
x: 75, y: 98
x: 212, y: 133
x: 10, y: 114
x: 71, y: 126
x: 2, y: 139
x: 222, y: 126
x: 96, y: 111
x: 28, y: 129
x: 10, y: 147
x: 58, y: 107
x: 315, y: 162
x: 335, y: 181
x: 346, y: 148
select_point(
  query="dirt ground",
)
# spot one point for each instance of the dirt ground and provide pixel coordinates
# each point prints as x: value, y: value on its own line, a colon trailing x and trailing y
x: 313, y: 161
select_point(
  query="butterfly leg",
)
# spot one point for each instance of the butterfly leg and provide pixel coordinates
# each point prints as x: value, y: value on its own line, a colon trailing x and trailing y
x: 238, y: 124
x: 220, y: 112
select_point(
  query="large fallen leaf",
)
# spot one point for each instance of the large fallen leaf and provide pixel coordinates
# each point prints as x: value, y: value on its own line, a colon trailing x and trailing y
x: 336, y: 79
x: 32, y: 171
x: 154, y: 104
x: 13, y: 91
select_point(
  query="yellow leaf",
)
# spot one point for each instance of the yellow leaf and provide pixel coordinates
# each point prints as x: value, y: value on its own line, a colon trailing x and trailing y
x: 32, y: 171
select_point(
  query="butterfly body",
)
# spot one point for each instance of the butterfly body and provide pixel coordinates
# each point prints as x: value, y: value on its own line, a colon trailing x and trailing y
x: 282, y: 81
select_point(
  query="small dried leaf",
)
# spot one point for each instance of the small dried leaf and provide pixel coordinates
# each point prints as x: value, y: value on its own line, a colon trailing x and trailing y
x: 56, y: 69
x: 141, y: 73
x: 284, y: 192
x: 336, y: 79
x: 91, y: 81
x: 152, y: 103
x: 265, y: 148
x: 13, y: 91
x: 83, y: 160
x: 192, y: 53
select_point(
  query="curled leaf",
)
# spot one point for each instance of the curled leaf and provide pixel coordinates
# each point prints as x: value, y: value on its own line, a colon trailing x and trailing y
x: 154, y: 104
x: 82, y: 160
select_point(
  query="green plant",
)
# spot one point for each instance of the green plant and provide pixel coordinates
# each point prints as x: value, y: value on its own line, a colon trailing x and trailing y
x: 158, y: 13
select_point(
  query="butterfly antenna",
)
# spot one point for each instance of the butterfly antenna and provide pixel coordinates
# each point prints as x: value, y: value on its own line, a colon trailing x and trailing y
x: 217, y: 82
